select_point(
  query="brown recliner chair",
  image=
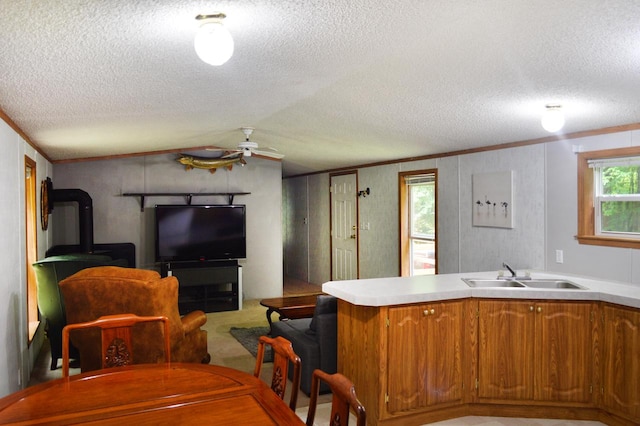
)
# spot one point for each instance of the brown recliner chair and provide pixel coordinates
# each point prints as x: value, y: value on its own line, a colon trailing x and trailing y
x: 107, y: 290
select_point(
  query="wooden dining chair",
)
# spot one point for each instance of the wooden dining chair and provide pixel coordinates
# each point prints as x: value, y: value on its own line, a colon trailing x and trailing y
x: 344, y: 398
x: 282, y: 354
x: 117, y: 348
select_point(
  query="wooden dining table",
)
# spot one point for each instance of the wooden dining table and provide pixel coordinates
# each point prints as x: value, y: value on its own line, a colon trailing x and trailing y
x: 150, y: 394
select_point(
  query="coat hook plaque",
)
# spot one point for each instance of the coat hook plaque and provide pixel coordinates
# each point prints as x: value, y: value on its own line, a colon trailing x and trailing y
x: 364, y: 193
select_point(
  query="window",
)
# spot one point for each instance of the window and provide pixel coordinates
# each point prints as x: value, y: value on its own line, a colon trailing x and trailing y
x: 616, y: 195
x: 609, y: 197
x: 31, y: 244
x: 418, y: 223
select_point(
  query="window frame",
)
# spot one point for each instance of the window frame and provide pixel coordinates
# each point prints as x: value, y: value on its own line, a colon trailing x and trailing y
x: 405, y: 223
x: 31, y: 247
x: 587, y: 228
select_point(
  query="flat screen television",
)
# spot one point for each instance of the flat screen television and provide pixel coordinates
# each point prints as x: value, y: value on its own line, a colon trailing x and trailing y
x: 192, y: 232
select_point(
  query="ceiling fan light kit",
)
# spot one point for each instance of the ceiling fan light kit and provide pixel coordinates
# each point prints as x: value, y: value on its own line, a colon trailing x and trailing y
x: 213, y: 42
x: 246, y: 147
x: 552, y: 118
x: 249, y: 147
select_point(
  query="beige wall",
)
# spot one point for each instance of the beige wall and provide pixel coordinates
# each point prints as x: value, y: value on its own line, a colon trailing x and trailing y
x: 118, y: 219
x: 16, y: 355
x: 620, y: 264
x: 545, y: 203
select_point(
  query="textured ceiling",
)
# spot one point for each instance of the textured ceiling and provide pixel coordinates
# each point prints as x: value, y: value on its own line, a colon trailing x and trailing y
x: 329, y: 83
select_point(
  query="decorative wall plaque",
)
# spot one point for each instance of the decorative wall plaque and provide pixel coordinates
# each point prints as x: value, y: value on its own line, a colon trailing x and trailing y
x: 493, y: 199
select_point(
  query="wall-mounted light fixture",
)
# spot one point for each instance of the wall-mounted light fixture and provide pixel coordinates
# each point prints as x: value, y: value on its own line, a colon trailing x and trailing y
x: 552, y: 118
x: 364, y: 192
x: 213, y: 42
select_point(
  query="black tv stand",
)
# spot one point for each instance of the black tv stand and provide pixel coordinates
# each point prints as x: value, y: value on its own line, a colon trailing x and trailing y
x: 209, y: 286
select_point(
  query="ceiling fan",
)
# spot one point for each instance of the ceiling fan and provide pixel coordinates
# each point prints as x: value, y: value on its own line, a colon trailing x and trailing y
x: 249, y: 148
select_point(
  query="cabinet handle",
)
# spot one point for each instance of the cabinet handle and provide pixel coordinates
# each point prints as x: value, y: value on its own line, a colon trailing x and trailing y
x: 531, y: 308
x: 428, y: 312
x: 539, y: 308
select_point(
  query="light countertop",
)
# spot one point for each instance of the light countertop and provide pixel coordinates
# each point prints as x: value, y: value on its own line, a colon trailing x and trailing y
x: 432, y: 288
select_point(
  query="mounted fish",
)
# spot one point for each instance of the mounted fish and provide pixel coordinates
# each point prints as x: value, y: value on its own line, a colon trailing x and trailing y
x: 211, y: 163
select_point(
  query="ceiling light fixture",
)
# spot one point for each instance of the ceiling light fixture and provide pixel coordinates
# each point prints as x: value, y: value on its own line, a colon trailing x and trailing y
x: 213, y: 42
x: 552, y: 118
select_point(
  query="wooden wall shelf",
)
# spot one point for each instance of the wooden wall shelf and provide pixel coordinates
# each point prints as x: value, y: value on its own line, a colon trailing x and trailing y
x: 188, y: 195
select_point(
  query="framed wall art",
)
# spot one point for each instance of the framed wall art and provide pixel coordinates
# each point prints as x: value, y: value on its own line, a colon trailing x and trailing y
x: 493, y: 199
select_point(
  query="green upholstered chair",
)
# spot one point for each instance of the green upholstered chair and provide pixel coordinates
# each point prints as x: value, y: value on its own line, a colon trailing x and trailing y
x: 49, y: 272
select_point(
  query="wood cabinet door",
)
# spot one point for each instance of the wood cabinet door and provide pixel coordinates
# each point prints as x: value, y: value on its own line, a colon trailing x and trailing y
x: 563, y: 351
x: 505, y: 350
x: 621, y: 356
x: 425, y: 355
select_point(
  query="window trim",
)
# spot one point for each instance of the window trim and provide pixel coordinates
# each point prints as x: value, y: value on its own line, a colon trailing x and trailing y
x: 404, y: 225
x: 31, y: 247
x: 586, y: 200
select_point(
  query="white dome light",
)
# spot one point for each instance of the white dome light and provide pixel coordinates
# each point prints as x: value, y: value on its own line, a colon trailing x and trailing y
x: 213, y: 42
x: 552, y: 118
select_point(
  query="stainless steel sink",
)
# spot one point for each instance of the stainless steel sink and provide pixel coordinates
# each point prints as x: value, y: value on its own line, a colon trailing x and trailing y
x: 555, y: 284
x: 531, y: 283
x: 480, y: 282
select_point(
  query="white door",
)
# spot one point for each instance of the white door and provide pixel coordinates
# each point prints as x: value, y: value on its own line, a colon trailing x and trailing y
x: 344, y: 227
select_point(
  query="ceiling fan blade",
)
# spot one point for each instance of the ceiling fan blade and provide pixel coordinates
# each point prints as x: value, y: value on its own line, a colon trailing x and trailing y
x: 269, y: 154
x: 230, y: 153
x: 269, y: 148
x: 249, y: 147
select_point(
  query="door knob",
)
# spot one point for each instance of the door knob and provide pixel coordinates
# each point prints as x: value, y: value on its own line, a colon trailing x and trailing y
x: 353, y: 236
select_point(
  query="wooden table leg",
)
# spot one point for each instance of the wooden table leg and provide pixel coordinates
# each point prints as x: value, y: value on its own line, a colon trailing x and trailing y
x: 269, y: 312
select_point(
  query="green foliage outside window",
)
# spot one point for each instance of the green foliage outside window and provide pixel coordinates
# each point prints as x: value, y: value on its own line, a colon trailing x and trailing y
x: 423, y: 219
x: 620, y: 216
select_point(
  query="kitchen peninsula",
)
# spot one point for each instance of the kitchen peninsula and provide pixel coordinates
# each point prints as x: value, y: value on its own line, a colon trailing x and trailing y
x: 428, y: 348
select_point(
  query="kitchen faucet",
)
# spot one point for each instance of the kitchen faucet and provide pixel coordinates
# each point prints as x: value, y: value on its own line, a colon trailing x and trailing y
x: 515, y: 276
x: 513, y: 273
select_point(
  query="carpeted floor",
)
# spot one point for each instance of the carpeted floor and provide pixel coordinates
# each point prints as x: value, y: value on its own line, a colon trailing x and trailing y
x: 248, y: 338
x: 226, y: 350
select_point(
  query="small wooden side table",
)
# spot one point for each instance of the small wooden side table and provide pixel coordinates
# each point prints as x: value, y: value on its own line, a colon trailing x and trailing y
x: 291, y: 307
